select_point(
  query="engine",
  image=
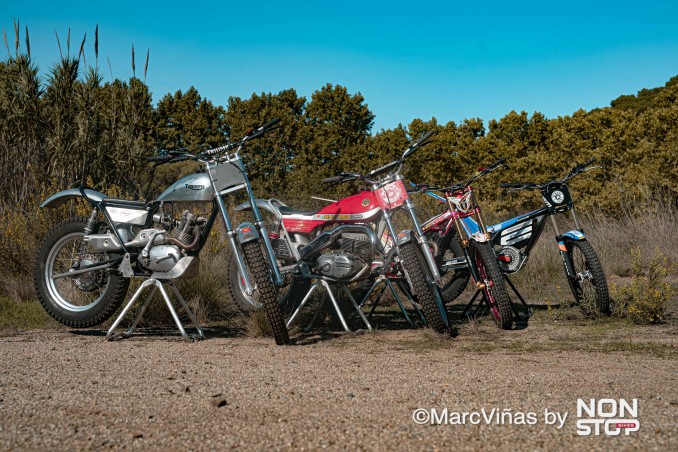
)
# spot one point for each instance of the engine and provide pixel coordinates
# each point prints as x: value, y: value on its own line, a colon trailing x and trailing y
x: 341, y: 254
x: 160, y: 248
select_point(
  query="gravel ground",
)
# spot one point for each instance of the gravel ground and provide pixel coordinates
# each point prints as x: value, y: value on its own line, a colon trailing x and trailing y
x: 73, y: 390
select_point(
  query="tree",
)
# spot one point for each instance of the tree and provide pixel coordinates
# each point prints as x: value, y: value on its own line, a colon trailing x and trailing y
x: 271, y: 158
x: 187, y: 121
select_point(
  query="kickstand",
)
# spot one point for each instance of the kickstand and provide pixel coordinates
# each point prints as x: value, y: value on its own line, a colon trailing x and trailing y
x: 528, y: 310
x: 386, y: 283
x: 329, y: 293
x: 156, y: 284
x: 483, y: 303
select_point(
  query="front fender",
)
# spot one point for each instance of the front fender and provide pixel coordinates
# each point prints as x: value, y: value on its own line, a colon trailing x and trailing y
x: 404, y: 237
x: 57, y: 199
x: 247, y: 232
x: 575, y: 235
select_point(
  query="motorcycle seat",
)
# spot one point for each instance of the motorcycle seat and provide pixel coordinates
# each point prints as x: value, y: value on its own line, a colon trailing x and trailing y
x: 124, y: 203
x: 287, y: 210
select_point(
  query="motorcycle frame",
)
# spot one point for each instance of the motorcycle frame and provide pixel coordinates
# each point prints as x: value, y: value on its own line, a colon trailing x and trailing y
x: 538, y: 218
x: 99, y: 202
x: 383, y: 221
x: 459, y: 220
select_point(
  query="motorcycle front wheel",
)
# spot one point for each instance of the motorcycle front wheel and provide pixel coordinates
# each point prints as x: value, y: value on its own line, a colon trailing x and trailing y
x: 424, y: 290
x: 87, y: 299
x: 267, y: 297
x: 492, y: 279
x: 588, y: 284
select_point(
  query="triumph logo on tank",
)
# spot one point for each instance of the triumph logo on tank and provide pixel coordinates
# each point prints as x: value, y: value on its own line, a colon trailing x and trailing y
x: 608, y: 417
x: 191, y: 186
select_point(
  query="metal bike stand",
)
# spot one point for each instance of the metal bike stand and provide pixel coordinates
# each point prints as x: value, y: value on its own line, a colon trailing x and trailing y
x: 483, y: 302
x: 329, y: 293
x: 156, y: 284
x: 387, y: 284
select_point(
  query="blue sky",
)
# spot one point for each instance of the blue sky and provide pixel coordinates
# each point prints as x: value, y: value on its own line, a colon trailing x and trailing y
x: 445, y: 59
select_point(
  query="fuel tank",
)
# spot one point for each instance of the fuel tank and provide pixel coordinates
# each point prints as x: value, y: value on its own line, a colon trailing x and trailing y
x: 194, y: 187
x: 358, y: 208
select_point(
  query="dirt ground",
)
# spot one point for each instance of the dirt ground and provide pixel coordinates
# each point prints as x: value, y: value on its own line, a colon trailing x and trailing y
x: 66, y: 389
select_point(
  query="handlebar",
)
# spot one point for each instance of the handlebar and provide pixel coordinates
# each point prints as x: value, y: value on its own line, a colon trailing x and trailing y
x: 423, y: 139
x: 517, y: 184
x: 176, y: 156
x: 333, y: 179
x: 531, y: 185
x: 343, y: 177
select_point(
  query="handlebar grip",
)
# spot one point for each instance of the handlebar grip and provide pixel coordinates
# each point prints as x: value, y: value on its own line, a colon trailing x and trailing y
x: 428, y: 135
x: 584, y: 165
x: 159, y: 158
x: 329, y: 180
x: 270, y: 123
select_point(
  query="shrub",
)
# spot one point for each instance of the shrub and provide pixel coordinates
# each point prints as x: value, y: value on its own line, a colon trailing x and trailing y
x: 644, y: 301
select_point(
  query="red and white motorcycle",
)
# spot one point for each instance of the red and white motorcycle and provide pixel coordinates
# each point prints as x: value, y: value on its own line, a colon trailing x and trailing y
x: 351, y: 240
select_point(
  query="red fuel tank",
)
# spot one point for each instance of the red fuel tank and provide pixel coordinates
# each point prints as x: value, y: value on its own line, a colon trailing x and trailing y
x: 354, y: 209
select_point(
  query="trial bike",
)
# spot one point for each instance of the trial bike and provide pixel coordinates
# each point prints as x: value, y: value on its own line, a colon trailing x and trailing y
x: 514, y: 239
x: 352, y: 240
x: 84, y: 265
x: 463, y: 246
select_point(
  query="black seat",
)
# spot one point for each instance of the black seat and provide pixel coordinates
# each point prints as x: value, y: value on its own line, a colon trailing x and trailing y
x: 124, y: 203
x: 287, y: 210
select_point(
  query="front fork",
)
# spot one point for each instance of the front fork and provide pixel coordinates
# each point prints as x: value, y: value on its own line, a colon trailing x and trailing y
x: 231, y: 234
x: 562, y: 248
x: 423, y: 243
x: 465, y: 246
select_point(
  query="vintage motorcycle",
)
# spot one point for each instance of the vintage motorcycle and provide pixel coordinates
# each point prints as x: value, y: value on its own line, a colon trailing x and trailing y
x: 350, y: 240
x: 84, y: 265
x: 465, y: 252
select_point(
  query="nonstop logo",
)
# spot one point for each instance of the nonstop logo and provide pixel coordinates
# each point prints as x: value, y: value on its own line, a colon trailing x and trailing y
x: 607, y: 416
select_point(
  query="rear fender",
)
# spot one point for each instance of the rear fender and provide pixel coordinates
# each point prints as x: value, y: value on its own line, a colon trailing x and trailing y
x: 91, y: 196
x: 270, y: 205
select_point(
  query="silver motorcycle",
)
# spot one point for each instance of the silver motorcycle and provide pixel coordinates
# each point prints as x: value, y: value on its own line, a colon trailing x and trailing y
x: 84, y: 265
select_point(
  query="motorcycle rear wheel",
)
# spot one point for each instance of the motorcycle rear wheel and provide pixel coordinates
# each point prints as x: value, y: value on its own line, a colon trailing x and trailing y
x: 454, y: 281
x: 82, y: 301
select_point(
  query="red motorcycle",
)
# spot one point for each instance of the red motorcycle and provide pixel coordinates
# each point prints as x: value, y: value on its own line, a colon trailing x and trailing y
x: 352, y: 240
x: 464, y: 246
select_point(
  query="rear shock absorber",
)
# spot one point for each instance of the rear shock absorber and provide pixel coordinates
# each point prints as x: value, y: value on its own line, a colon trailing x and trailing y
x: 89, y: 228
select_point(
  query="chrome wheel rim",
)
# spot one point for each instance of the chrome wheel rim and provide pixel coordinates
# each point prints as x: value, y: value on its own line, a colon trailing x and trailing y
x: 80, y: 293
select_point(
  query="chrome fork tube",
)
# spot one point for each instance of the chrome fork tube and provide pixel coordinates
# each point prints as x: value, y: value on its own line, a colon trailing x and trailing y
x: 423, y: 242
x: 259, y: 221
x: 386, y: 215
x: 230, y: 234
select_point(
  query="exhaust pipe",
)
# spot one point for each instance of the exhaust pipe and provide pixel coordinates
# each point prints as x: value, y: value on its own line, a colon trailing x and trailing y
x: 325, y: 240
